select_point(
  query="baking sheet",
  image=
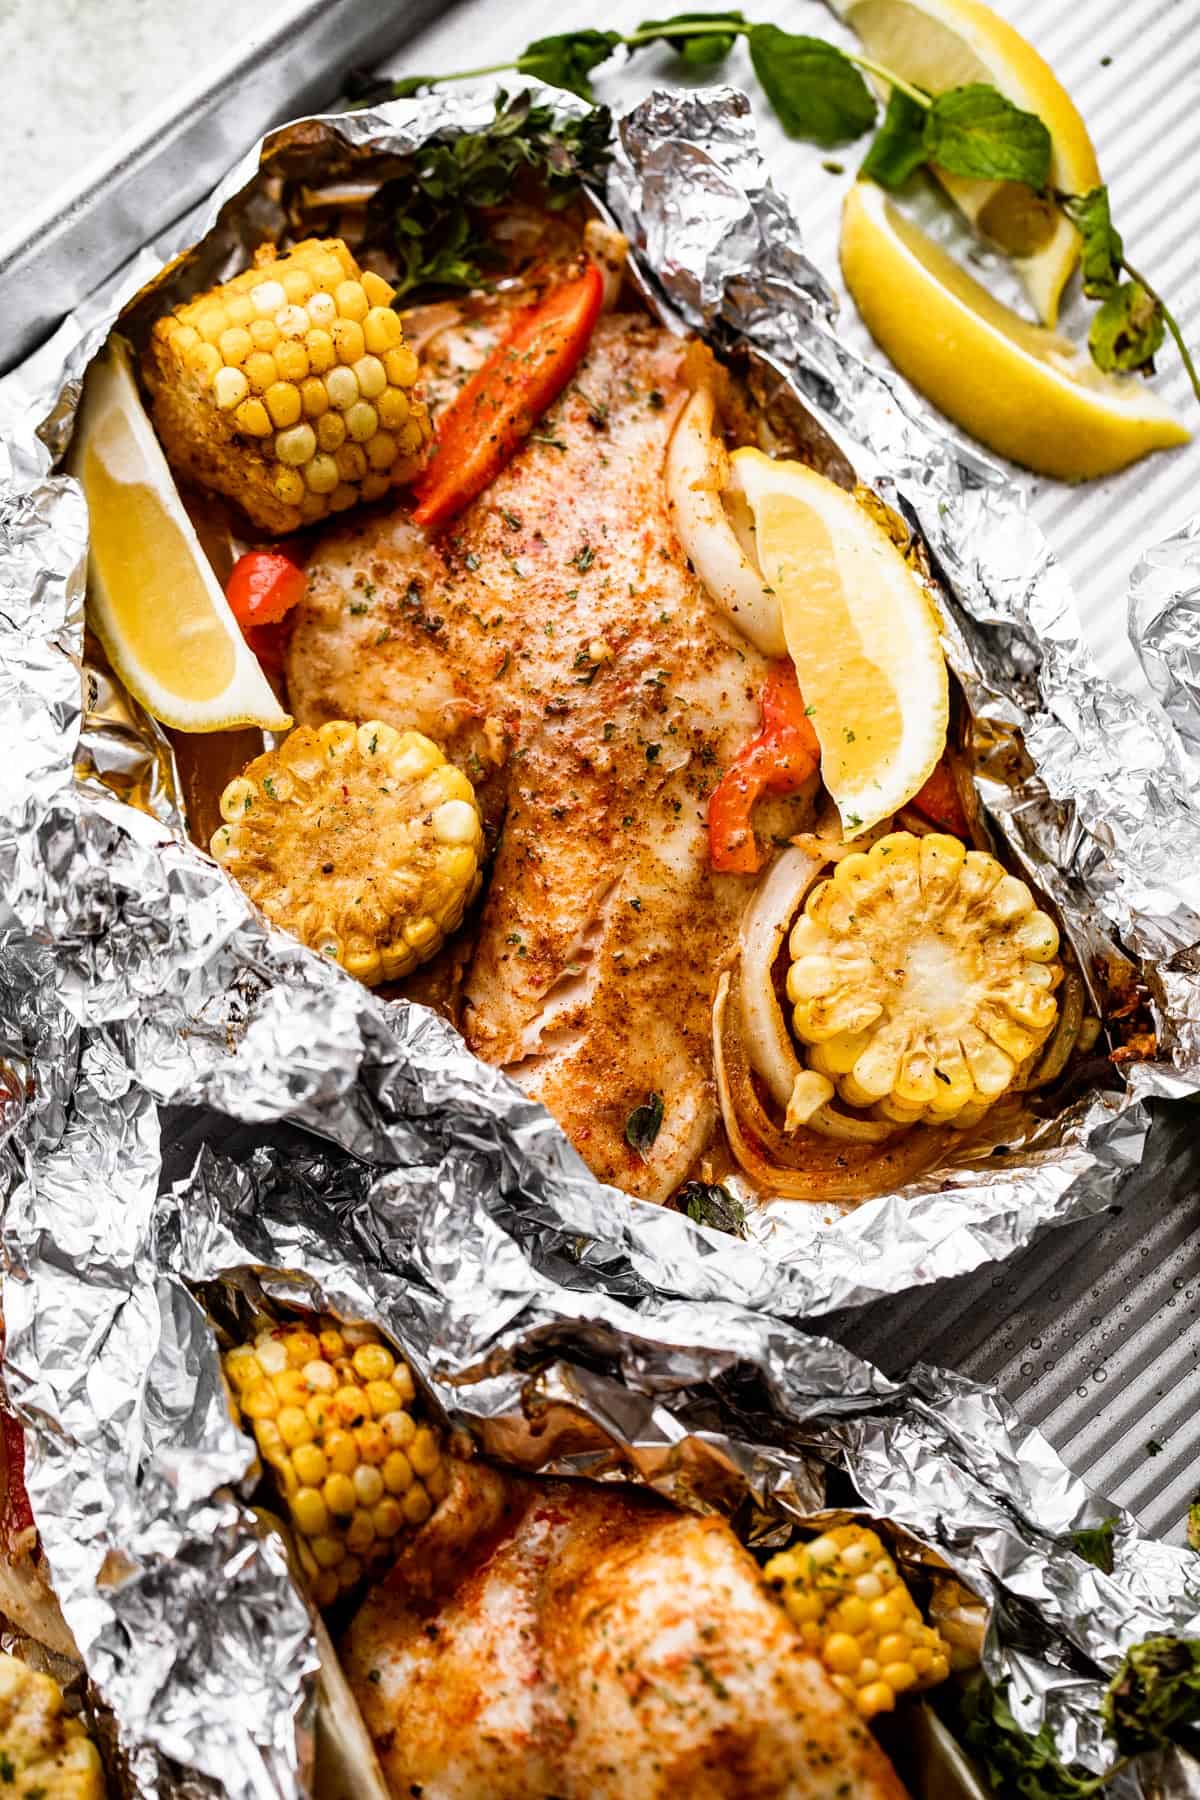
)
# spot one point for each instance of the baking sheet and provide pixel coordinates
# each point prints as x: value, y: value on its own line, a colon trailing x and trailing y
x: 1122, y: 1300
x: 1094, y: 1334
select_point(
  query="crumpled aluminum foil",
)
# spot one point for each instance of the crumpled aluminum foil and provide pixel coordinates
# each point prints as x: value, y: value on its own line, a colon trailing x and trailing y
x: 383, y: 1170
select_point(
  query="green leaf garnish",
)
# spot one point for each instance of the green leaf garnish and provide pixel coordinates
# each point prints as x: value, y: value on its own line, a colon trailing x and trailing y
x: 1101, y: 249
x: 1015, y: 1763
x: 1154, y: 1693
x: 898, y: 148
x: 814, y: 87
x: 1095, y: 1545
x: 712, y: 45
x: 567, y: 59
x: 708, y: 1203
x: 1128, y: 329
x: 644, y: 1123
x: 975, y: 131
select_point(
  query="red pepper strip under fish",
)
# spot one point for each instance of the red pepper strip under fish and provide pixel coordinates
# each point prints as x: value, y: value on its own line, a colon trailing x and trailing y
x: 489, y: 420
x: 263, y: 585
x: 938, y: 802
x: 16, y: 1512
x: 778, y: 761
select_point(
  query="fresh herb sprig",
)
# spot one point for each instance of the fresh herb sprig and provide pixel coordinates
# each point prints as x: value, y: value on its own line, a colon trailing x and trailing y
x: 434, y: 211
x: 819, y: 93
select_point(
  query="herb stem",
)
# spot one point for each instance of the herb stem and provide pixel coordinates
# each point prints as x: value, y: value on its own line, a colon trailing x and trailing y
x: 1171, y: 323
x: 890, y: 76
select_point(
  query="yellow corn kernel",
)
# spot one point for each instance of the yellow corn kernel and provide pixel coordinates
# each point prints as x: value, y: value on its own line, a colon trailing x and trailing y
x: 377, y: 290
x: 338, y: 1494
x: 387, y: 1517
x: 240, y: 309
x: 368, y: 1485
x: 397, y: 1472
x: 294, y: 1426
x: 291, y: 1389
x: 311, y: 1464
x: 331, y: 431
x: 382, y: 330
x: 282, y: 401
x: 253, y: 418
x: 297, y: 284
x: 210, y: 322
x: 392, y: 406
x: 260, y: 371
x: 423, y: 1451
x: 351, y: 301
x: 204, y: 360
x: 382, y: 450
x: 264, y: 334
x: 183, y: 337
x: 351, y: 463
x: 401, y: 365
x: 371, y: 376
x: 322, y: 356
x: 341, y: 385
x: 362, y: 421
x: 229, y: 388
x: 268, y: 296
x: 348, y: 340
x: 341, y: 1452
x: 288, y: 485
x: 310, y: 1512
x: 296, y: 446
x: 291, y: 359
x: 416, y: 1505
x: 243, y: 1367
x: 321, y: 473
x: 291, y: 322
x: 374, y: 486
x: 259, y: 1402
x: 235, y: 345
x: 322, y: 310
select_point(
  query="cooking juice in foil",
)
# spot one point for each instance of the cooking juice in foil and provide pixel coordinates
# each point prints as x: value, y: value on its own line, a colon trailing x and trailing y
x: 209, y: 1126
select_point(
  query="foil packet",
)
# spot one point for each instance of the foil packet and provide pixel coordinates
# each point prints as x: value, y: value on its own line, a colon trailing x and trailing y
x: 149, y: 1017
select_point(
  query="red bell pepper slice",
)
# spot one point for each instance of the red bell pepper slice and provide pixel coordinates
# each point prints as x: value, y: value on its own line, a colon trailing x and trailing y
x: 938, y: 802
x: 17, y: 1512
x: 264, y: 585
x: 489, y: 420
x: 778, y: 761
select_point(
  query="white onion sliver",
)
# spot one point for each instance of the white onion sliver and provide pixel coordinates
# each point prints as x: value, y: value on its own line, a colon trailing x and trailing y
x: 768, y: 915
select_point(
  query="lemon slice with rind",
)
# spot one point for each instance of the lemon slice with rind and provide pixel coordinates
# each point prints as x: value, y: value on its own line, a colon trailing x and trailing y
x: 942, y: 44
x: 153, y: 599
x: 1024, y: 391
x: 861, y: 631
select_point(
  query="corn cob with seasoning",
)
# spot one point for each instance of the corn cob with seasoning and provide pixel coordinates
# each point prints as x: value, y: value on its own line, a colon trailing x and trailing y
x: 844, y: 1594
x: 290, y: 388
x: 335, y: 1417
x: 361, y: 840
x: 923, y: 980
x: 45, y: 1754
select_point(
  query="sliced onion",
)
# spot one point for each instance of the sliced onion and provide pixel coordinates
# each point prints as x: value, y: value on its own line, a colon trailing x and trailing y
x: 696, y: 473
x: 1065, y: 1035
x: 806, y: 1166
x: 768, y: 917
x: 609, y: 250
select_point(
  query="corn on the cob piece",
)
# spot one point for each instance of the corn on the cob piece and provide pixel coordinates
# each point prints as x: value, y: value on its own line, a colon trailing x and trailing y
x: 290, y: 388
x: 334, y: 1414
x: 922, y: 979
x: 44, y: 1752
x: 360, y: 839
x: 844, y: 1594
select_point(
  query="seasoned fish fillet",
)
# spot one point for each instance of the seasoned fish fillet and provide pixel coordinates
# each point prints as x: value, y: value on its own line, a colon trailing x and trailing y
x: 558, y: 647
x: 592, y: 1644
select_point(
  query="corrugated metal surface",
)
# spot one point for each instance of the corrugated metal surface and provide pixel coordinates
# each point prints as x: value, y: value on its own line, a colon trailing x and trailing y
x: 1094, y: 1333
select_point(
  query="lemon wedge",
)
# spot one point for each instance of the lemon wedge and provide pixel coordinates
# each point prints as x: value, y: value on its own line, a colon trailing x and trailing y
x: 942, y: 44
x: 153, y: 599
x: 860, y: 629
x: 1024, y: 391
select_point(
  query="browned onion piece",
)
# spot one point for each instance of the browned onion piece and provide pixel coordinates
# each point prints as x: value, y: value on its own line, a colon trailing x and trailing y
x: 803, y: 1165
x: 768, y: 916
x: 1066, y: 1033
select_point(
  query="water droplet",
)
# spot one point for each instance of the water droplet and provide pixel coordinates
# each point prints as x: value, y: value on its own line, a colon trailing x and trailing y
x: 1099, y: 1374
x: 1170, y: 1299
x: 1177, y: 1281
x: 1081, y: 1391
x: 1027, y: 1368
x: 1049, y: 1363
x: 1036, y: 1343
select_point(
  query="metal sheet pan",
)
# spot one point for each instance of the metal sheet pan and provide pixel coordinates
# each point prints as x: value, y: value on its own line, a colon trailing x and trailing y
x: 1094, y: 1333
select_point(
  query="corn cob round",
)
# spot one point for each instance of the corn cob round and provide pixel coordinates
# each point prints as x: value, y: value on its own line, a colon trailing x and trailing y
x: 334, y: 1415
x: 922, y: 979
x: 290, y: 388
x: 361, y: 840
x: 43, y: 1750
x: 844, y: 1594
